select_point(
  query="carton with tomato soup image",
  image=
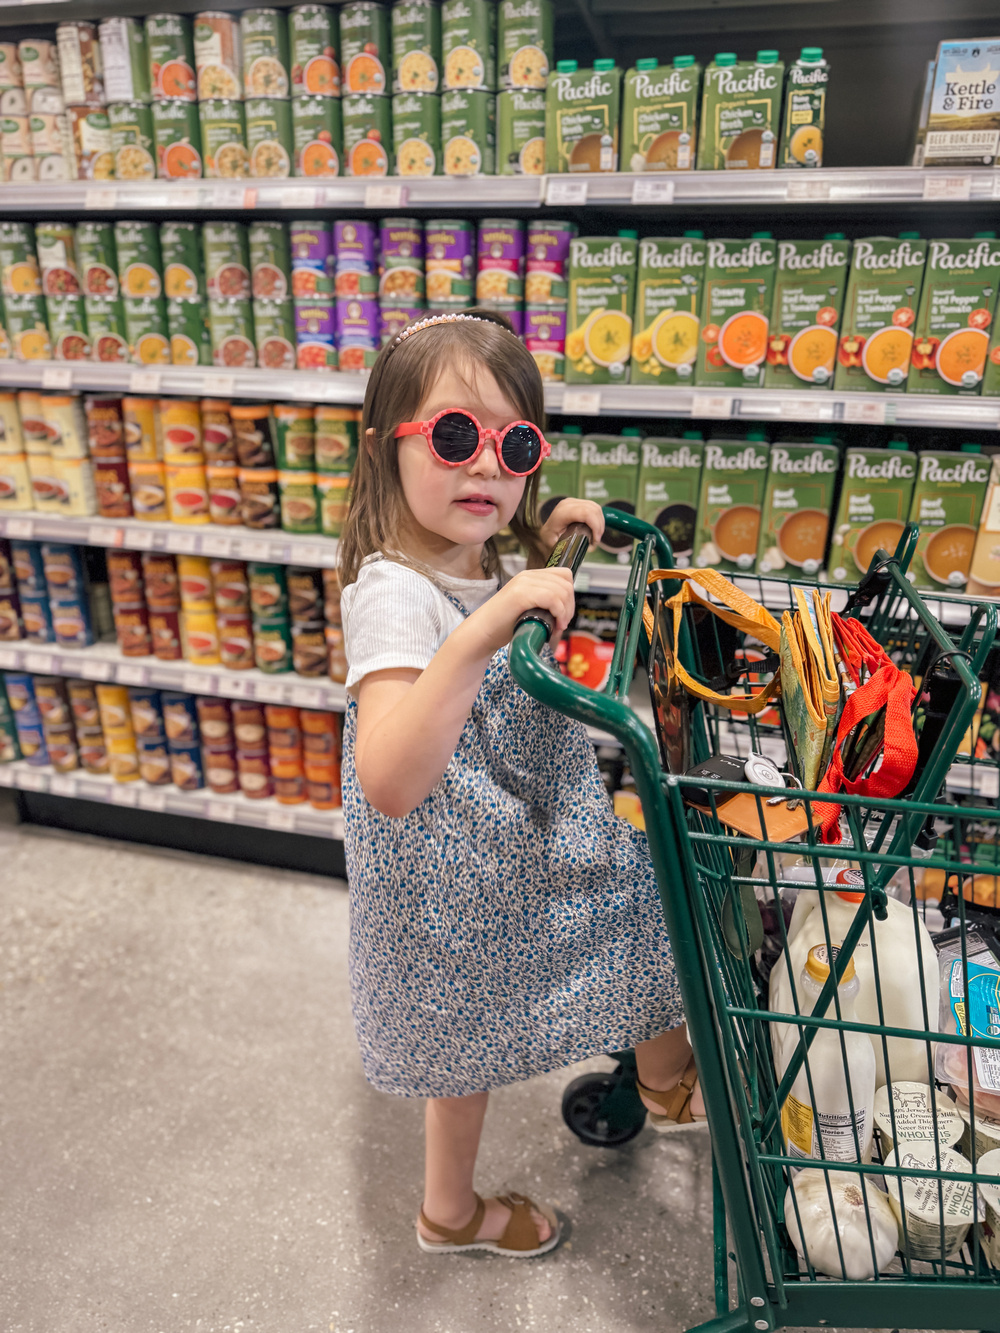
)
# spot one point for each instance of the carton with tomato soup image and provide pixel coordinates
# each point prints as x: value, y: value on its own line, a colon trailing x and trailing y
x: 795, y: 520
x: 733, y: 479
x: 947, y: 504
x: 951, y: 332
x: 667, y: 308
x: 735, y: 306
x: 669, y: 480
x: 875, y: 494
x: 876, y: 332
x: 809, y: 282
x: 609, y: 475
x: 591, y: 642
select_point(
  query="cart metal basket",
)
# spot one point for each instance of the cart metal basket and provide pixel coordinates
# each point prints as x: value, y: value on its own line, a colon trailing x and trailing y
x: 725, y: 902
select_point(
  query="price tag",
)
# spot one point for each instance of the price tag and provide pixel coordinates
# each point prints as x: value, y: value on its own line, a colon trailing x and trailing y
x: 386, y: 196
x: 198, y: 682
x: 144, y: 381
x: 96, y: 670
x: 236, y: 688
x: 29, y: 781
x: 60, y: 785
x: 252, y: 548
x: 269, y: 691
x: 7, y: 776
x: 185, y: 196
x: 130, y: 674
x: 565, y: 191
x: 9, y: 658
x: 869, y: 412
x: 57, y: 377
x: 223, y: 812
x: 104, y: 199
x: 807, y: 187
x: 100, y: 534
x: 306, y: 696
x: 250, y: 198
x: 157, y: 199
x: 278, y: 551
x: 20, y: 527
x: 307, y: 553
x: 585, y: 401
x: 281, y: 819
x: 40, y: 662
x: 217, y: 546
x: 140, y: 538
x: 122, y: 795
x: 292, y: 198
x: 219, y: 386
x: 942, y: 186
x: 711, y: 405
x: 649, y: 190
x: 153, y: 798
x: 185, y: 542
x: 805, y: 409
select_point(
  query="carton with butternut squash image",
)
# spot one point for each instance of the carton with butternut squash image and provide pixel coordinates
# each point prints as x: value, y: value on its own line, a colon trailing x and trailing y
x: 667, y: 308
x: 876, y: 331
x: 733, y: 481
x: 951, y: 335
x: 809, y: 283
x: 599, y: 308
x: 875, y: 494
x: 947, y: 505
x: 736, y: 302
x: 796, y: 516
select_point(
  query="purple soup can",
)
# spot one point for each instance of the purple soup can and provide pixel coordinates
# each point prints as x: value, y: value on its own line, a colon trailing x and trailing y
x: 500, y: 276
x: 401, y: 260
x: 355, y: 245
x: 394, y: 318
x: 357, y: 332
x: 545, y: 339
x: 547, y: 261
x: 312, y: 259
x: 315, y: 335
x: 450, y: 262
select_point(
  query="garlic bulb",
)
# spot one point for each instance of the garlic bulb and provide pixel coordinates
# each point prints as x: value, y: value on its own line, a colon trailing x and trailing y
x: 820, y: 1225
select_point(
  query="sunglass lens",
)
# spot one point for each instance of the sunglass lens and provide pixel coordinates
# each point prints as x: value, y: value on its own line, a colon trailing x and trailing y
x: 522, y: 448
x: 455, y: 438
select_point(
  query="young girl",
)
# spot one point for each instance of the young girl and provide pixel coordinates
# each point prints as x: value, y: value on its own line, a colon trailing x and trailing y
x: 503, y: 922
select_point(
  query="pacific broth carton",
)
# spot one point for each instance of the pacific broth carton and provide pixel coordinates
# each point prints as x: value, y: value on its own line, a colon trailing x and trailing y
x: 805, y: 110
x: 740, y: 113
x: 876, y: 330
x: 733, y: 481
x: 963, y: 124
x: 796, y: 516
x: 669, y: 480
x: 947, y: 504
x: 609, y: 475
x: 667, y: 308
x: 991, y: 375
x: 599, y: 309
x: 559, y: 478
x: 875, y: 493
x: 809, y: 283
x: 581, y: 117
x: 951, y: 334
x: 659, y: 129
x: 736, y: 303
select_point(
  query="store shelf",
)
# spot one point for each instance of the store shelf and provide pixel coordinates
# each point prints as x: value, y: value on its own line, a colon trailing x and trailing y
x: 105, y: 662
x: 236, y: 809
x: 823, y: 407
x: 236, y: 543
x: 836, y: 185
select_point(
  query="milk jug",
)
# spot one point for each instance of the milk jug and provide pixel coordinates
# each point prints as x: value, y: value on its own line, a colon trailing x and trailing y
x: 835, y: 1097
x: 900, y: 961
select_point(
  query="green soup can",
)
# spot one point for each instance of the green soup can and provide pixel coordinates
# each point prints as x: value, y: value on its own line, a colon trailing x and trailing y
x: 468, y: 133
x: 416, y: 133
x: 170, y: 47
x: 190, y: 340
x: 68, y: 327
x: 315, y: 44
x: 177, y: 137
x: 223, y: 139
x: 469, y: 44
x: 274, y: 334
x: 317, y: 135
x: 520, y: 132
x: 97, y: 259
x: 264, y: 34
x: 269, y: 137
x: 524, y: 42
x: 299, y: 501
x: 140, y: 260
x: 270, y: 262
x: 106, y: 328
x: 132, y: 141
x: 367, y: 135
x: 231, y: 325
x: 365, y: 47
x: 147, y: 331
x: 227, y: 261
x: 416, y: 46
x: 183, y: 262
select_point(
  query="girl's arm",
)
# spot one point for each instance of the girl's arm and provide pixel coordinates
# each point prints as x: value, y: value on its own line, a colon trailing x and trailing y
x: 409, y: 721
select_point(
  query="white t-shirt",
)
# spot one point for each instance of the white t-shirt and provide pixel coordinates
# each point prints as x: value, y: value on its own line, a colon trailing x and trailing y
x: 395, y: 617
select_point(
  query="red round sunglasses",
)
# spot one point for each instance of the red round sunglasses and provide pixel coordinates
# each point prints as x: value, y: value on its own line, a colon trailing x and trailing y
x: 456, y: 438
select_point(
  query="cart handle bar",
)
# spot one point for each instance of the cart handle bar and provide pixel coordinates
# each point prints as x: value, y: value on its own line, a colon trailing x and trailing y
x: 568, y: 553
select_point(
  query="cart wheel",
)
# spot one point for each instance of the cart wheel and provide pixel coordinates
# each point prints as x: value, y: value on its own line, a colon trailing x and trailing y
x: 585, y: 1110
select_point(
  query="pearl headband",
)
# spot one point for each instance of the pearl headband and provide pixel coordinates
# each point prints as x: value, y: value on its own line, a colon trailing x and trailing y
x: 442, y: 319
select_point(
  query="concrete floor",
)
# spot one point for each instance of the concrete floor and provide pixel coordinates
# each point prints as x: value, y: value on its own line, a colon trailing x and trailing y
x: 187, y: 1140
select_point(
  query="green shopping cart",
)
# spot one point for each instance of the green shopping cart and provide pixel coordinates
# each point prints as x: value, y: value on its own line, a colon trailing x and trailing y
x: 871, y: 1215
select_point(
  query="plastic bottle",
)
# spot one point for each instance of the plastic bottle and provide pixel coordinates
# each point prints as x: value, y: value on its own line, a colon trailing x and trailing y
x: 835, y: 1080
x: 900, y: 961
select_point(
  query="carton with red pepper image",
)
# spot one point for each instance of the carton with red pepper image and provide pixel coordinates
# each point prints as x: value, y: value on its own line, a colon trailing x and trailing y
x: 951, y: 334
x: 876, y: 331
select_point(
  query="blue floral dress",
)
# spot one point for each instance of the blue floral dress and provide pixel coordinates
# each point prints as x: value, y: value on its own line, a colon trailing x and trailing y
x: 510, y: 924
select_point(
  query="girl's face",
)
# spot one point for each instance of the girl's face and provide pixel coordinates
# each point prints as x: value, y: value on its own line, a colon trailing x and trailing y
x: 460, y: 506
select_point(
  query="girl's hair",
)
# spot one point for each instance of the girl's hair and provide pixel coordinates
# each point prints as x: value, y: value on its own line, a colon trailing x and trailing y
x: 401, y: 378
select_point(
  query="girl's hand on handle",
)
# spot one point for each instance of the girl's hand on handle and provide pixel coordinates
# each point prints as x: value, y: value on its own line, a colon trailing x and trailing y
x: 551, y: 589
x: 573, y: 511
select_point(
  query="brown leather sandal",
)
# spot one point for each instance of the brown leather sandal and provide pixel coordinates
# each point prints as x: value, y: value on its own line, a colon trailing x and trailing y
x: 676, y: 1103
x: 519, y: 1240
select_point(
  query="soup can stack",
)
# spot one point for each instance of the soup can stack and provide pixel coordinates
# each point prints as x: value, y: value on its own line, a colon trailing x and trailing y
x: 416, y: 84
x: 140, y: 269
x: 199, y: 626
x: 305, y: 607
x: 184, y: 462
x: 227, y: 280
x: 546, y: 289
x: 17, y: 162
x: 336, y: 452
x: 266, y: 82
x: 317, y: 116
x: 56, y: 247
x: 469, y: 73
x: 174, y: 90
x: 88, y: 128
x: 128, y: 92
x: 24, y: 306
x: 312, y: 294
x: 187, y: 294
x: 450, y: 261
x: 295, y: 430
x: 271, y: 285
x: 104, y: 308
x: 355, y: 244
x: 524, y: 57
x: 366, y: 53
x: 45, y: 107
x: 402, y: 286
x: 106, y: 444
x: 500, y: 269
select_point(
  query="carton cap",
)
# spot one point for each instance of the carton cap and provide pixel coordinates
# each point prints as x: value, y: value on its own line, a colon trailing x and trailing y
x: 984, y: 235
x: 908, y: 235
x: 633, y: 432
x: 566, y: 66
x: 898, y: 444
x: 970, y: 448
x: 647, y: 62
x: 758, y: 436
x: 762, y: 236
x: 834, y: 236
x: 627, y: 234
x: 695, y: 235
x: 604, y: 65
x: 818, y: 964
x: 570, y: 430
x: 692, y: 435
x: 767, y: 57
x: 683, y: 62
x: 824, y: 439
x: 726, y: 58
x: 811, y: 54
